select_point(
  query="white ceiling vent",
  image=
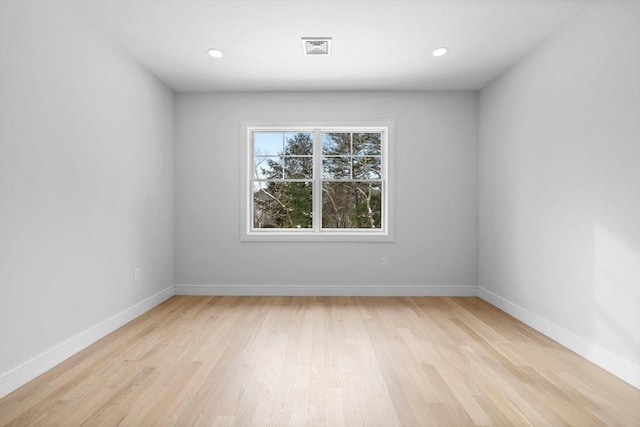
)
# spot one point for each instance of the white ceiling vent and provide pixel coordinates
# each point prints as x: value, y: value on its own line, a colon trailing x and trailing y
x: 316, y: 45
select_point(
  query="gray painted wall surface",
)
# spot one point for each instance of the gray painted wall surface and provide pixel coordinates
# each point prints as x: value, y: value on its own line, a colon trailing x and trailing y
x: 86, y: 180
x: 435, y: 183
x: 560, y: 182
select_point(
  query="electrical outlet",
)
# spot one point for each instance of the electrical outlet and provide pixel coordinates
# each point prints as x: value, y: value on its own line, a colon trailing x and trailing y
x: 384, y: 262
x: 136, y: 274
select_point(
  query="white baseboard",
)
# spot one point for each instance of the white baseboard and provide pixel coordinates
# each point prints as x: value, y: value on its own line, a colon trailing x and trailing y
x: 596, y: 354
x: 328, y: 290
x: 11, y: 380
x: 30, y: 369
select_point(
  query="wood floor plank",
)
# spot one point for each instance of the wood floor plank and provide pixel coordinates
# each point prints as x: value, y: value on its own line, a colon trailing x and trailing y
x: 324, y: 361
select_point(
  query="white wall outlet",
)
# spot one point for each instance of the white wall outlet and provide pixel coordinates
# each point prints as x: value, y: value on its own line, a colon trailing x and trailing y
x: 384, y: 262
x: 137, y: 274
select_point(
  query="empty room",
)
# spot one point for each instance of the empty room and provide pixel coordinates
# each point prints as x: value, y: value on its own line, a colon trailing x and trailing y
x: 320, y: 213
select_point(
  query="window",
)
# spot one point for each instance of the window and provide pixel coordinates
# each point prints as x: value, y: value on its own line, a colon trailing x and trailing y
x: 319, y: 182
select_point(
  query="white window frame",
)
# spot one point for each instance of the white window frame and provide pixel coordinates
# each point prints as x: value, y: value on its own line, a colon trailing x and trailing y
x: 384, y: 234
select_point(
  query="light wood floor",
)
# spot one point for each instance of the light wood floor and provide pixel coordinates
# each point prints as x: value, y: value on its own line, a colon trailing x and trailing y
x: 324, y: 361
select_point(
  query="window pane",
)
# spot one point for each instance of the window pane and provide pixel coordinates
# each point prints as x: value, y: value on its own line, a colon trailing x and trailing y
x: 300, y: 143
x: 267, y: 143
x: 366, y: 168
x: 267, y: 168
x: 366, y: 144
x: 298, y: 167
x: 336, y: 167
x: 351, y: 204
x: 282, y: 204
x: 336, y: 143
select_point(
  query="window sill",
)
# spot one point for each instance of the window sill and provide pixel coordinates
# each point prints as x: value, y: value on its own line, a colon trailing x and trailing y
x: 301, y: 236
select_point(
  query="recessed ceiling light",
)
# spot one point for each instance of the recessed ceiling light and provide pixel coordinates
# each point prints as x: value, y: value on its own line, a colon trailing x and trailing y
x: 215, y: 53
x: 440, y: 51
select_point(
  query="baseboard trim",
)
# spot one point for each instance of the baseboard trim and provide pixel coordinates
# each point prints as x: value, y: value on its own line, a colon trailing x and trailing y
x: 600, y: 356
x: 17, y: 377
x: 621, y: 368
x: 328, y: 290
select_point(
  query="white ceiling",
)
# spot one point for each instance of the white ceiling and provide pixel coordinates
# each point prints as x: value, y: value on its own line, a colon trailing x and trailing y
x: 377, y: 45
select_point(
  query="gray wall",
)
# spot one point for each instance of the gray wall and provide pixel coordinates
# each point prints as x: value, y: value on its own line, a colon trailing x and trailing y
x: 560, y: 188
x: 86, y: 181
x: 435, y: 181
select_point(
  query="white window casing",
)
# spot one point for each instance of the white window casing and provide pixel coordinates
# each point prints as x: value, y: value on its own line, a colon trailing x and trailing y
x: 384, y: 229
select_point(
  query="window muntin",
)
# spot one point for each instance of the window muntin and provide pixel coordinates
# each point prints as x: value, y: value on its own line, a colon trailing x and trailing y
x: 317, y: 182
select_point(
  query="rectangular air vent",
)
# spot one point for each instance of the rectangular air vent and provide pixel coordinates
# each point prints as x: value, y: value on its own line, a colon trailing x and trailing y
x: 316, y: 45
